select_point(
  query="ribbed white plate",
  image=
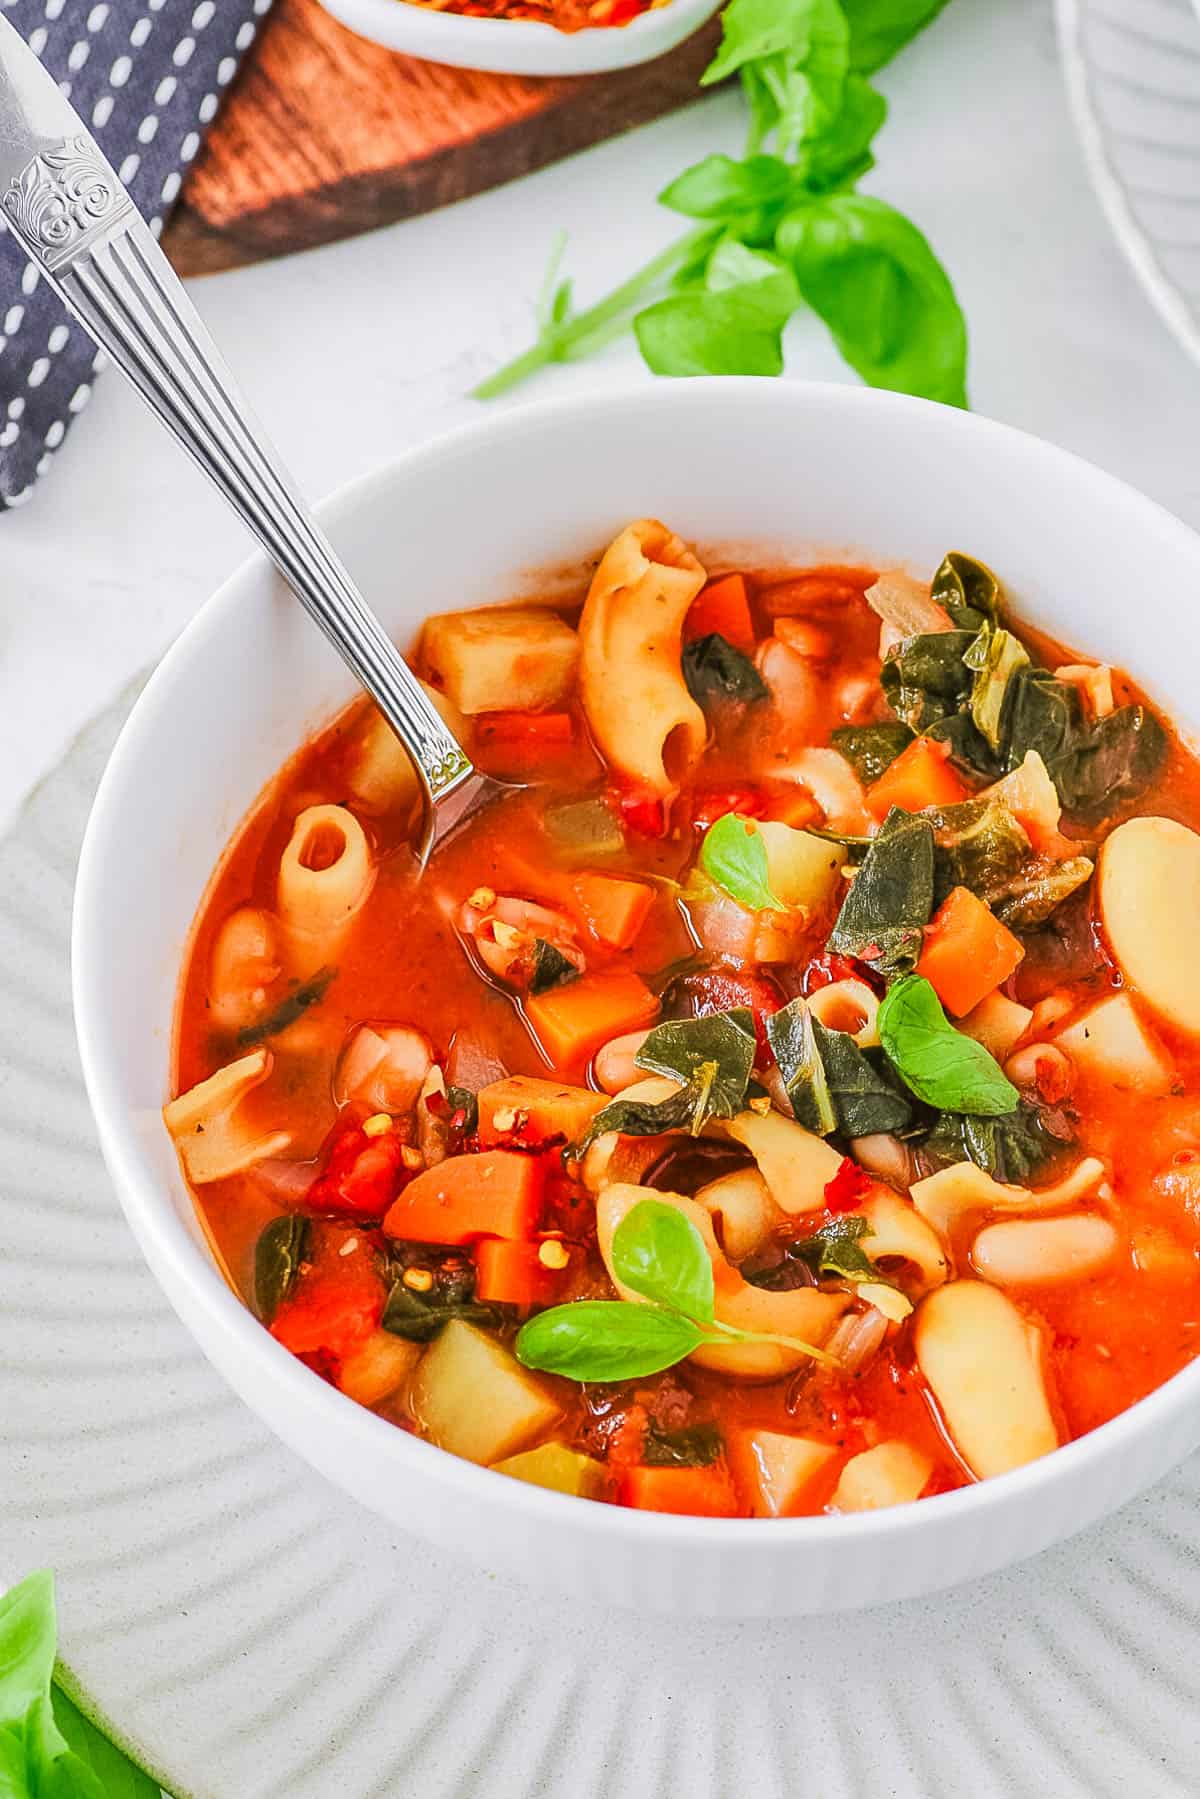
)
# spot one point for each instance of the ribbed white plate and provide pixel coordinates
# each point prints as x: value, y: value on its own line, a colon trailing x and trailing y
x: 253, y: 1635
x: 1133, y: 77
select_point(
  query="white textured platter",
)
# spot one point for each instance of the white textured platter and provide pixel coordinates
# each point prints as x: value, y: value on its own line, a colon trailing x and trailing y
x: 1133, y: 78
x: 253, y: 1635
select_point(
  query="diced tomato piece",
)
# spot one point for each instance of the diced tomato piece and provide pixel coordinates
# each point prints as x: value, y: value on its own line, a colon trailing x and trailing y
x: 644, y: 813
x: 362, y: 1175
x: 495, y: 1193
x: 337, y: 1301
x: 825, y: 969
x: 712, y: 803
x: 716, y: 990
x: 847, y: 1187
x: 695, y: 1492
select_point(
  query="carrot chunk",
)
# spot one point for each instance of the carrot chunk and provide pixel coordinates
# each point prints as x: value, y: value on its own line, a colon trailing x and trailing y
x: 698, y: 1492
x: 497, y: 1193
x: 723, y: 606
x: 510, y: 1274
x: 572, y: 1021
x: 613, y: 910
x: 922, y: 775
x: 523, y: 1109
x: 967, y: 952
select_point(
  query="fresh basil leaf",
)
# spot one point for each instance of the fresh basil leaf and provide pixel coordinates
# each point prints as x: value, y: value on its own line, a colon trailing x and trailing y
x: 836, y: 1249
x: 27, y: 1646
x: 870, y: 749
x: 792, y: 1035
x: 1039, y: 890
x: 967, y: 590
x: 695, y: 1446
x: 734, y: 856
x: 891, y: 896
x: 881, y: 28
x: 925, y: 678
x: 841, y: 155
x: 606, y: 1340
x: 801, y: 50
x: 294, y: 1006
x: 661, y: 1255
x: 720, y: 188
x: 1011, y: 1146
x: 550, y: 967
x: 870, y: 274
x: 640, y: 1118
x: 994, y: 657
x: 729, y: 329
x: 281, y: 1247
x: 715, y: 669
x: 712, y: 1056
x: 941, y: 1066
x: 117, y: 1777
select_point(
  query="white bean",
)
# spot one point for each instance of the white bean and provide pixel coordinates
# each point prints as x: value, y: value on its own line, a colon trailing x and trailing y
x: 1025, y: 1251
x: 615, y: 1067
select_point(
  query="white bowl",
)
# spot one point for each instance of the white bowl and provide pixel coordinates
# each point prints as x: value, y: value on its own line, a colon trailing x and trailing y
x: 521, y: 46
x: 805, y: 470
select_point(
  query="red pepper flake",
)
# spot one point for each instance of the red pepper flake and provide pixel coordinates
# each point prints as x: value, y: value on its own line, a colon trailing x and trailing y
x: 847, y: 1187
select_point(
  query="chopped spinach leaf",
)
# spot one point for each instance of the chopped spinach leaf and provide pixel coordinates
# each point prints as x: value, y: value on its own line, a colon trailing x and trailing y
x: 461, y: 1099
x: 968, y: 590
x: 712, y: 1056
x: 418, y: 1316
x: 1010, y: 1147
x: 869, y: 749
x: 968, y: 747
x: 926, y: 678
x: 836, y: 1249
x: 715, y: 669
x: 1047, y: 716
x: 831, y: 1083
x: 1095, y: 768
x: 640, y: 1118
x: 994, y: 657
x: 550, y: 967
x: 281, y: 1247
x: 1033, y: 895
x: 697, y: 1446
x: 891, y: 896
x: 980, y: 845
x: 294, y: 1006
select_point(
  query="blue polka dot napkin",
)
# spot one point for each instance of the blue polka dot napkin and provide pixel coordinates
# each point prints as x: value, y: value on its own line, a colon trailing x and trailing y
x: 146, y: 77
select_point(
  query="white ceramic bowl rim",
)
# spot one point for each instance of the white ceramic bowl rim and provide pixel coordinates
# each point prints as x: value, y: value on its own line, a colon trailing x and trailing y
x: 163, y: 1235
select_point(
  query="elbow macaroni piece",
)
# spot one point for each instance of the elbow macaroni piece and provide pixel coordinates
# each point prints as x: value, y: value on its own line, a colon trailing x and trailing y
x: 805, y: 1313
x: 796, y: 1165
x: 325, y: 874
x: 984, y: 1366
x: 899, y: 1233
x: 212, y: 1140
x: 742, y: 1201
x: 641, y: 714
x: 946, y: 1198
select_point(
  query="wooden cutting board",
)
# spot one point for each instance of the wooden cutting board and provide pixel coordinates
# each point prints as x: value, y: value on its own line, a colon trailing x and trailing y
x: 324, y: 135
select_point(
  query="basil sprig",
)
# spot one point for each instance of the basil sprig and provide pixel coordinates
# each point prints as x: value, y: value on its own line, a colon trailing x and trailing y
x: 734, y: 856
x: 660, y: 1255
x: 782, y: 227
x: 939, y: 1064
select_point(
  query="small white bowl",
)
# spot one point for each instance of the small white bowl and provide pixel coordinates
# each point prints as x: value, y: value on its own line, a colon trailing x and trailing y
x: 521, y: 46
x: 775, y: 466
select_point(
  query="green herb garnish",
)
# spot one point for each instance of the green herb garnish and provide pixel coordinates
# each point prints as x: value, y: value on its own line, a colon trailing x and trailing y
x: 836, y: 1249
x: 294, y: 1006
x: 281, y: 1247
x: 831, y: 1083
x: 870, y: 749
x: 711, y: 1058
x: 715, y: 669
x: 939, y: 1064
x: 550, y: 967
x: 782, y: 227
x: 734, y: 856
x: 659, y: 1254
x: 891, y: 897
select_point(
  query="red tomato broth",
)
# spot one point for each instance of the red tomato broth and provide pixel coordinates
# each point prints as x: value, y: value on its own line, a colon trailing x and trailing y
x: 1111, y: 1338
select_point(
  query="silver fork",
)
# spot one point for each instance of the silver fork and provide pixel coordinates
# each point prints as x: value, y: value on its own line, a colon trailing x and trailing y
x: 62, y: 200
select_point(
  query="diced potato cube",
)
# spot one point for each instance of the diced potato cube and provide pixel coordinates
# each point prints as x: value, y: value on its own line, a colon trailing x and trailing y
x: 379, y: 1368
x: 475, y: 1399
x: 530, y: 1109
x: 802, y: 870
x: 889, y: 1474
x: 1112, y: 1044
x: 381, y: 773
x: 773, y: 1470
x: 561, y: 1469
x: 501, y: 659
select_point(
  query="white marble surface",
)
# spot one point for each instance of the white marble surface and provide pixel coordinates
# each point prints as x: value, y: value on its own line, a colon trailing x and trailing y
x: 357, y: 351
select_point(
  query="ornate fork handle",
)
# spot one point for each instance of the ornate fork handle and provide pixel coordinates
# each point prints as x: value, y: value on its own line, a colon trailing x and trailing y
x: 80, y: 227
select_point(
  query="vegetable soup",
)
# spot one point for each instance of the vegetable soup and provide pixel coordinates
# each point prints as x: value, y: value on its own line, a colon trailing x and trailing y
x: 785, y: 1101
